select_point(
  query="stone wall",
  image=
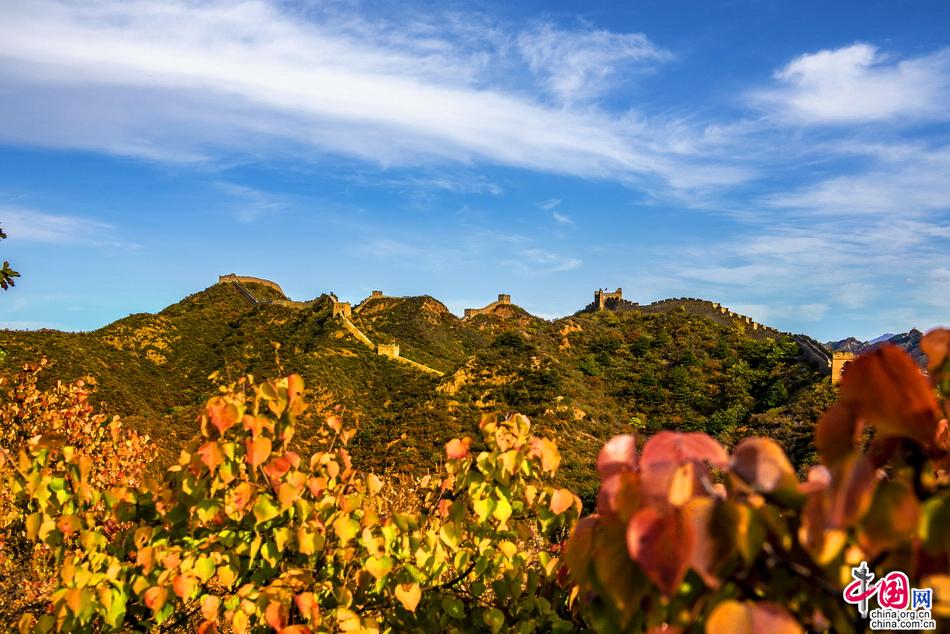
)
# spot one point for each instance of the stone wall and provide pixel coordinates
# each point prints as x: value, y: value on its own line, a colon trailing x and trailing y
x: 503, y: 299
x: 244, y: 279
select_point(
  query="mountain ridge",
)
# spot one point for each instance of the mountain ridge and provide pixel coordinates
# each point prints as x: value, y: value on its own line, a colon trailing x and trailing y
x: 682, y: 364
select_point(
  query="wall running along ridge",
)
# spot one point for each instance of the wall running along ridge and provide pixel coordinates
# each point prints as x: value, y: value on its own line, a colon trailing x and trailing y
x: 343, y: 310
x: 503, y: 299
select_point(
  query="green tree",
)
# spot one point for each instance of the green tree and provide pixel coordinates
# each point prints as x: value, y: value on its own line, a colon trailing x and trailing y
x: 6, y: 273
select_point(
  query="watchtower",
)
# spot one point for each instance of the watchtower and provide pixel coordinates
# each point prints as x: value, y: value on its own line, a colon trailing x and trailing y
x: 342, y: 308
x: 390, y: 350
x: 602, y: 296
x: 839, y: 364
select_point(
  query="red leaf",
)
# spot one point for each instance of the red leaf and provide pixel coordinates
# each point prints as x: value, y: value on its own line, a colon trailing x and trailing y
x: 679, y: 447
x: 888, y: 390
x: 852, y: 489
x: 837, y: 433
x: 762, y: 463
x: 619, y: 494
x: 662, y: 543
x: 618, y: 454
x: 458, y: 448
x: 936, y: 345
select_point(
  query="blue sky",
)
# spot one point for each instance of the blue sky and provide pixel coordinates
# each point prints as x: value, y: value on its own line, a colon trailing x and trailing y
x: 790, y: 160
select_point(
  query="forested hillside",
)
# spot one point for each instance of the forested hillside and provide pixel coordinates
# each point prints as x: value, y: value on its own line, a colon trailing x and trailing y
x: 582, y: 378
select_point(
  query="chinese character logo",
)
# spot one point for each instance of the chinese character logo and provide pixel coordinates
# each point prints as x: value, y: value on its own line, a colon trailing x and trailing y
x: 893, y: 593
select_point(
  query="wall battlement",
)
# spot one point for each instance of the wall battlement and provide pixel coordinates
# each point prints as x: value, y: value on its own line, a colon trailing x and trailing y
x: 503, y: 300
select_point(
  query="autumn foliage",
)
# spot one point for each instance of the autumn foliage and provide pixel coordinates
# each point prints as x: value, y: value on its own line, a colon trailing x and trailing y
x: 687, y: 534
x: 245, y: 535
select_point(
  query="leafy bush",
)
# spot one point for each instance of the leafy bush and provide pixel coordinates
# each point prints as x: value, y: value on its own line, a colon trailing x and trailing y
x: 104, y: 456
x: 245, y: 535
x: 686, y: 535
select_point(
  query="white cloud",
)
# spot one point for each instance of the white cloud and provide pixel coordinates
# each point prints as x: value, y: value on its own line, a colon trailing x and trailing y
x: 561, y: 218
x: 904, y: 181
x: 537, y: 260
x: 192, y: 81
x: 578, y: 65
x: 251, y: 203
x: 28, y: 225
x: 857, y: 84
x: 549, y: 204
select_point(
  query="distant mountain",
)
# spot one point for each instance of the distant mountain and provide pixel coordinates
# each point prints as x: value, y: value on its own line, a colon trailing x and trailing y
x: 909, y: 341
x: 684, y: 364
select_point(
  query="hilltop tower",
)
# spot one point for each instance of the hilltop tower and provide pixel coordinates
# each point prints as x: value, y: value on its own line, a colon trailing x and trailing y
x: 602, y: 296
x: 839, y: 363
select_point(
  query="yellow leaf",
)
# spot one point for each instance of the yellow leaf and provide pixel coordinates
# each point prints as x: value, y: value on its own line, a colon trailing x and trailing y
x: 409, y: 595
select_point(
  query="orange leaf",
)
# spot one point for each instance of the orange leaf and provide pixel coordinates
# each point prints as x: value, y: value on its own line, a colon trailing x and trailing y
x: 547, y: 451
x: 258, y: 449
x: 619, y: 494
x: 211, y: 455
x: 661, y: 541
x: 307, y: 605
x: 561, y: 500
x: 276, y: 615
x: 222, y: 414
x: 751, y: 618
x: 210, y: 605
x: 294, y: 386
x: 183, y: 585
x: 936, y: 345
x: 458, y: 448
x: 888, y: 390
x: 409, y: 595
x: 155, y: 597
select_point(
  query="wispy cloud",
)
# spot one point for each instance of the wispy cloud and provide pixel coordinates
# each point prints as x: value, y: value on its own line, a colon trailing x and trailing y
x: 549, y: 204
x: 859, y: 83
x: 561, y: 218
x: 535, y: 260
x: 187, y: 81
x: 250, y: 203
x: 29, y: 225
x: 579, y: 64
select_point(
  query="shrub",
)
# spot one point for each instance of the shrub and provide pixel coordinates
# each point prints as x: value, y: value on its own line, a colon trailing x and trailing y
x: 686, y: 535
x: 245, y: 535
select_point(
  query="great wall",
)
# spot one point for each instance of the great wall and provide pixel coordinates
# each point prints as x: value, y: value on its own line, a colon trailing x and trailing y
x: 828, y: 363
x: 340, y: 310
